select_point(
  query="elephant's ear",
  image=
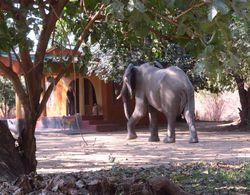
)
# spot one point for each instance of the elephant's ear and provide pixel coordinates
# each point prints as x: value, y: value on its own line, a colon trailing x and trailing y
x: 128, y: 81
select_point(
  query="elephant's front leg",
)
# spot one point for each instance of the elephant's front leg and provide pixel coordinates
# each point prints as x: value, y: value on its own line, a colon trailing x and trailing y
x: 131, y: 127
x: 139, y: 112
x: 153, y: 124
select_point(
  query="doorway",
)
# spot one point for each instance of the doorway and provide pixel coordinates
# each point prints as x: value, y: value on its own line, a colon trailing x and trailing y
x: 73, y: 98
x: 89, y: 97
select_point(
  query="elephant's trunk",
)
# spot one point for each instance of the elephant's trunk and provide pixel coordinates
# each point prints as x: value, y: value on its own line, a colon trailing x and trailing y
x: 124, y: 95
x: 123, y: 91
x: 125, y: 107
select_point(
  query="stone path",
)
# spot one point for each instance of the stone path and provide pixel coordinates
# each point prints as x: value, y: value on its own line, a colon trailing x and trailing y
x: 58, y: 151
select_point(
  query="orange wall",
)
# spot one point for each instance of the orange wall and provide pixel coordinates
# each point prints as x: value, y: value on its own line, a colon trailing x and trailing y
x: 56, y: 105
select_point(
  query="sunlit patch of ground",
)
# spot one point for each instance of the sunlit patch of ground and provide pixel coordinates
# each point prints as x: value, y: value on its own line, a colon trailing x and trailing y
x: 60, y: 152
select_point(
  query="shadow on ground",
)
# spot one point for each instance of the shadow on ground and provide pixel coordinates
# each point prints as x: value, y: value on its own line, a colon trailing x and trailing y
x: 61, y: 152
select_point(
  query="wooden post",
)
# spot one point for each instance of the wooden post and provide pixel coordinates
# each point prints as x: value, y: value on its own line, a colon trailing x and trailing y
x: 18, y: 108
x: 44, y: 113
x: 81, y: 95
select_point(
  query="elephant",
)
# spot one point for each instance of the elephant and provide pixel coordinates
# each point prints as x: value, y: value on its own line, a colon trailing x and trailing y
x: 155, y: 89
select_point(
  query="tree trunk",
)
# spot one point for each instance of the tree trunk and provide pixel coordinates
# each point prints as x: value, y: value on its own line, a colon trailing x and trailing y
x: 30, y: 95
x: 27, y: 142
x: 244, y: 94
x: 11, y: 165
x: 248, y: 107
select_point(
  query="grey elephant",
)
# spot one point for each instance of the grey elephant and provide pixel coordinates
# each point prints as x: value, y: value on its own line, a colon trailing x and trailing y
x: 166, y: 90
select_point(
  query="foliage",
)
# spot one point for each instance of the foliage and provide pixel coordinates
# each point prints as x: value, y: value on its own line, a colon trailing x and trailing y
x: 194, y: 178
x: 229, y: 59
x: 212, y: 32
x: 7, y: 96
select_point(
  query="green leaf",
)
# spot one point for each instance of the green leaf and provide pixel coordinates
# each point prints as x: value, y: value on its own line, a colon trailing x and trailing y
x: 139, y: 5
x: 131, y: 5
x: 118, y: 9
x: 181, y: 29
x: 194, y: 47
x: 217, y: 6
x: 242, y: 8
x: 234, y: 60
x: 208, y: 50
x: 136, y: 4
x: 181, y: 4
x: 138, y: 22
x: 170, y: 2
x: 212, y: 12
x: 207, y: 26
x: 7, y: 96
x: 221, y: 6
x: 106, y: 2
x: 91, y: 4
x: 161, y: 5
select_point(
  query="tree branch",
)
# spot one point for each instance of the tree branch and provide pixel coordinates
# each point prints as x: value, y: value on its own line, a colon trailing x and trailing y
x: 188, y: 10
x: 34, y: 70
x: 11, y: 75
x: 175, y: 20
x: 17, y: 58
x: 169, y: 20
x: 10, y: 60
x: 48, y: 27
x: 165, y: 37
x: 69, y: 61
x: 83, y: 7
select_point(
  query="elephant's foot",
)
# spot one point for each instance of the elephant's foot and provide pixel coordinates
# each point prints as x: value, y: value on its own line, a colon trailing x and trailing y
x: 169, y: 140
x: 193, y: 137
x: 131, y: 136
x: 154, y: 138
x: 193, y: 140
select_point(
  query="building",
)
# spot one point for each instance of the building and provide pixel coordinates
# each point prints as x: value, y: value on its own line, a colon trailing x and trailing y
x: 94, y: 103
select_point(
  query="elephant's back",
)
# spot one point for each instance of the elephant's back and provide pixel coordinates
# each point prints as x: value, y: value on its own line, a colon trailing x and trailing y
x: 177, y: 77
x: 174, y: 71
x: 175, y: 87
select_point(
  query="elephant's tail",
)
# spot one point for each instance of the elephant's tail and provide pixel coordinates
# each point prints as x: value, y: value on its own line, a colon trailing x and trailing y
x: 190, y: 105
x: 184, y: 101
x: 187, y: 100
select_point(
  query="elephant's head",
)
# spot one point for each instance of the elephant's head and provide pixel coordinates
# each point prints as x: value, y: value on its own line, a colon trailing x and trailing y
x: 128, y: 87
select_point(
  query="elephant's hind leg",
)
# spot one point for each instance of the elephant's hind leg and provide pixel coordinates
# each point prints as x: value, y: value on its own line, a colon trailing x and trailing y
x: 153, y: 124
x: 189, y: 116
x: 170, y: 138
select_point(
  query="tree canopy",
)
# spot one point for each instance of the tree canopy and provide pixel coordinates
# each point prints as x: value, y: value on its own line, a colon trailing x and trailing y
x: 215, y: 33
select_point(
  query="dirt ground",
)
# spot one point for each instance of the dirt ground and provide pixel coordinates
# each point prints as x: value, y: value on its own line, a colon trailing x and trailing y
x: 60, y: 151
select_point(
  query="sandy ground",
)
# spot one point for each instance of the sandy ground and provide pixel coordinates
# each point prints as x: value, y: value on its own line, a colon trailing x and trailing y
x: 58, y: 151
